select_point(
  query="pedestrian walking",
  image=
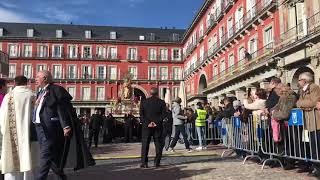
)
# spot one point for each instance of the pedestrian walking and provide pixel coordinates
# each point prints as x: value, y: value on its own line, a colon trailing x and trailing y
x: 167, y: 128
x: 129, y: 120
x: 19, y: 157
x: 96, y: 122
x: 179, y: 121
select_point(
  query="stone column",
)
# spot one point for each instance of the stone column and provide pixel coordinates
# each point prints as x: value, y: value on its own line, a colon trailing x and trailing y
x: 91, y: 111
x: 78, y: 110
x: 315, y: 63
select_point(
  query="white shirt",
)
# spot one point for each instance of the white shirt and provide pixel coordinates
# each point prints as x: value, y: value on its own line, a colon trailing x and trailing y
x: 39, y: 107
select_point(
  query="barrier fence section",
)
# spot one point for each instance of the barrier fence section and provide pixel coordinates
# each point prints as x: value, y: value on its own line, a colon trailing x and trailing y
x: 297, y: 138
x: 212, y: 131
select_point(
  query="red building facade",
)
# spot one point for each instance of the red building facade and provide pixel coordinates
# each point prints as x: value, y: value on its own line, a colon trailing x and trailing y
x: 224, y: 37
x: 92, y: 68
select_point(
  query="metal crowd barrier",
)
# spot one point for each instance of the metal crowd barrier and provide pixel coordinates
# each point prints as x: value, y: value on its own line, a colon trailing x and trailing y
x: 298, y: 138
x: 240, y: 136
x: 212, y: 131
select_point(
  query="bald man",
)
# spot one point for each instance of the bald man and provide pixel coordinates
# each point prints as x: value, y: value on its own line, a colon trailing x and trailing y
x: 152, y: 113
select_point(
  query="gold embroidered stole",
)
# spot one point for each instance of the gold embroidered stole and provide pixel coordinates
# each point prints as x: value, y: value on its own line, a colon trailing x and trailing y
x: 13, y: 134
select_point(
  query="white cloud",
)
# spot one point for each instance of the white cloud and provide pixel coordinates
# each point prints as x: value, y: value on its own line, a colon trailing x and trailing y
x: 55, y: 14
x: 10, y: 16
x: 8, y: 4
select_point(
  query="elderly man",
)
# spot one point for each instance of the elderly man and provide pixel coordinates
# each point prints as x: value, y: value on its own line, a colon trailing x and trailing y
x: 17, y: 161
x: 309, y: 94
x: 58, y: 129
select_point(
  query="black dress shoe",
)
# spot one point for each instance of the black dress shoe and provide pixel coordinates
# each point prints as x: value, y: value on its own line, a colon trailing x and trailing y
x: 143, y: 166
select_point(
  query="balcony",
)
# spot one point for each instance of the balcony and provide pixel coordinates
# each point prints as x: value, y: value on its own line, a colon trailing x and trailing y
x: 242, y: 67
x: 298, y: 35
x: 134, y: 60
x: 165, y: 59
x: 259, y: 10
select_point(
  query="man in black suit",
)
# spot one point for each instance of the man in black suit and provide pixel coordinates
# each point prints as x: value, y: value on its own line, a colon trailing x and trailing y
x: 152, y: 113
x: 52, y: 125
x: 95, y: 125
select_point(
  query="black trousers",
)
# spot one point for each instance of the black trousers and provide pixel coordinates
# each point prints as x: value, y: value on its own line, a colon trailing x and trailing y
x: 50, y: 155
x: 128, y: 133
x: 94, y: 133
x: 147, y: 133
x: 180, y: 129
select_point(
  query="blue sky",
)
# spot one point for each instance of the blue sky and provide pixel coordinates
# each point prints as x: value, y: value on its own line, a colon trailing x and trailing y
x: 137, y: 13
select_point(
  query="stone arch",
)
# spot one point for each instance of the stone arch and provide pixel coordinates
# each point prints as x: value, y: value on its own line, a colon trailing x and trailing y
x: 295, y: 75
x: 202, y: 83
x: 139, y: 91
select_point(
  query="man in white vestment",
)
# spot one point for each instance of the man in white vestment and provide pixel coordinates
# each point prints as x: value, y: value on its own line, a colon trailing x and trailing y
x: 18, y: 156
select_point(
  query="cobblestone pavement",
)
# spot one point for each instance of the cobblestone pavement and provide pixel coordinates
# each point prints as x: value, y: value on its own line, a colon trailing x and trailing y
x: 192, y: 167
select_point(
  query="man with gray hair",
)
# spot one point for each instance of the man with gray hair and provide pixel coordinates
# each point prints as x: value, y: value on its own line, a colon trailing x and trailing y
x: 152, y: 113
x: 309, y: 94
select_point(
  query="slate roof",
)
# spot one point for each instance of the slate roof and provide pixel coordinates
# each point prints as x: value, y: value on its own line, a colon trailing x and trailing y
x: 77, y: 32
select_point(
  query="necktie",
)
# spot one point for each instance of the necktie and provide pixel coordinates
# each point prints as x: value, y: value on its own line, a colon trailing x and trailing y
x: 39, y: 96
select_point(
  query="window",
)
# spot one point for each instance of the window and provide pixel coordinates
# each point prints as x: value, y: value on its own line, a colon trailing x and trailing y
x: 13, y: 50
x: 239, y: 18
x: 72, y: 72
x: 132, y: 53
x: 222, y: 67
x: 192, y: 87
x: 231, y: 62
x: 152, y: 54
x: 27, y: 50
x: 86, y: 72
x: 12, y: 70
x: 72, y: 91
x: 201, y: 30
x: 176, y: 74
x: 175, y: 37
x: 101, y: 52
x: 59, y: 33
x: 152, y: 36
x: 86, y: 93
x: 86, y: 52
x: 141, y: 38
x: 268, y: 37
x: 133, y: 71
x: 73, y: 51
x: 100, y: 93
x: 163, y: 91
x: 112, y: 72
x: 241, y: 56
x: 101, y: 72
x: 221, y: 35
x: 163, y: 54
x: 27, y: 70
x: 112, y: 53
x: 57, y: 51
x: 41, y: 67
x: 152, y: 73
x: 215, y: 72
x: 113, y: 35
x: 175, y: 92
x: 253, y: 48
x: 202, y: 53
x: 176, y: 54
x: 29, y: 32
x: 57, y: 71
x: 43, y: 51
x: 164, y: 73
x: 87, y: 34
x: 229, y: 27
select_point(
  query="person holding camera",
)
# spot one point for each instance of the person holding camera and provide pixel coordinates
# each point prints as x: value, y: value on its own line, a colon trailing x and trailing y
x: 179, y: 121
